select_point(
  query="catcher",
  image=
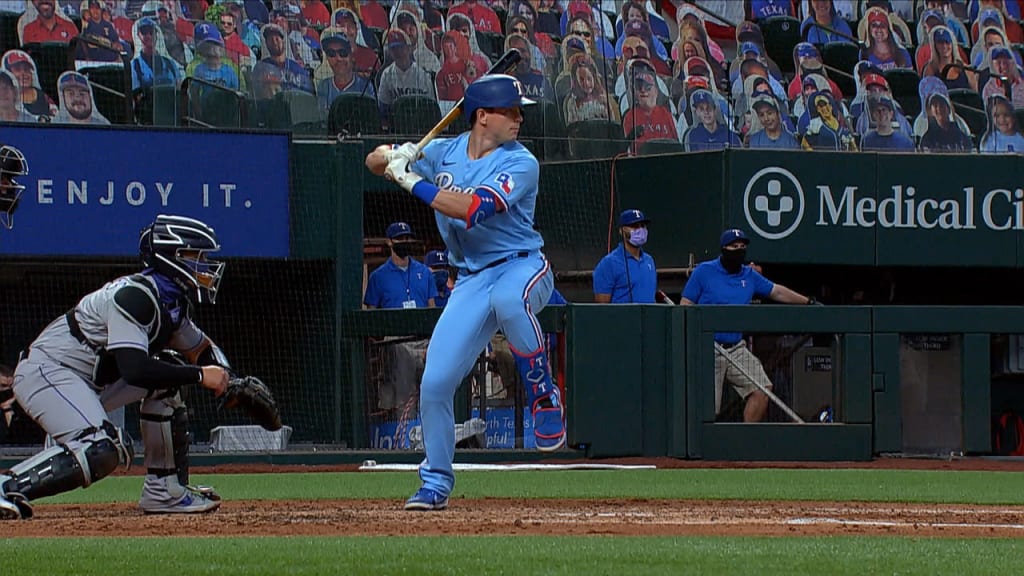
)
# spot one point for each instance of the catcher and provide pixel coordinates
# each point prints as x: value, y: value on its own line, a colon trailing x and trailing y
x: 102, y: 354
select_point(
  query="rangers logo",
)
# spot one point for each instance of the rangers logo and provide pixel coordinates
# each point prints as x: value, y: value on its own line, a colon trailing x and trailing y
x: 506, y: 182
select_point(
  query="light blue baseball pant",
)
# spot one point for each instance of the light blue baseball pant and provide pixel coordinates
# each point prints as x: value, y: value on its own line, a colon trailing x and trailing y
x: 507, y: 296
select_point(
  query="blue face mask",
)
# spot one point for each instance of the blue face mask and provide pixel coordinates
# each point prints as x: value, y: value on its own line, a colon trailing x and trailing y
x: 638, y: 237
x: 441, y: 279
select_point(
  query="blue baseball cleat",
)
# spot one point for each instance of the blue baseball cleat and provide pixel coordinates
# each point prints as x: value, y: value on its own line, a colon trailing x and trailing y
x: 426, y: 499
x: 549, y: 428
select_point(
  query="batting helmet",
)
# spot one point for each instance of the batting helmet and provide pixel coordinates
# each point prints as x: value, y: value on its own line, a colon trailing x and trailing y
x: 494, y: 91
x: 176, y: 247
x: 12, y: 165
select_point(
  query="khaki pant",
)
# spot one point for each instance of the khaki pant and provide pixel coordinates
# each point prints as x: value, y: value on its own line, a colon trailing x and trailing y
x: 725, y: 370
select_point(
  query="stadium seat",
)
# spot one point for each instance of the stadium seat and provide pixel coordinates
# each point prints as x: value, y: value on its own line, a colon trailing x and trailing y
x: 8, y: 31
x: 492, y: 45
x: 157, y: 106
x: 353, y: 114
x: 304, y: 111
x: 218, y: 108
x: 414, y: 115
x: 903, y: 83
x: 543, y: 122
x: 969, y: 106
x: 272, y: 114
x: 659, y: 146
x: 781, y: 34
x: 112, y: 86
x: 841, y: 56
x: 595, y: 139
x: 52, y: 59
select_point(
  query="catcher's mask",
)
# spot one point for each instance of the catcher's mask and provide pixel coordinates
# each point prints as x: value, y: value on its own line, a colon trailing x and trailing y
x: 177, y: 247
x: 12, y: 165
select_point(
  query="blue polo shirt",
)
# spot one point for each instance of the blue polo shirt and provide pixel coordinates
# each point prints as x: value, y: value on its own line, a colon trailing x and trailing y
x: 710, y: 283
x: 634, y: 282
x: 391, y: 287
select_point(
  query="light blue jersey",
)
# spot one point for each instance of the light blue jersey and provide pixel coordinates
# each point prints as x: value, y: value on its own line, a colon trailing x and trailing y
x: 504, y: 280
x: 512, y: 173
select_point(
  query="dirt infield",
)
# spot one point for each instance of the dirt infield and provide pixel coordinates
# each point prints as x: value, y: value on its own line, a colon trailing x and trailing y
x: 500, y: 516
x: 534, y: 517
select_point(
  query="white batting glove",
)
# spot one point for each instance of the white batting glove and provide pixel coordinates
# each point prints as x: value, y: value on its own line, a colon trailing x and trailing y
x: 399, y: 173
x: 408, y: 151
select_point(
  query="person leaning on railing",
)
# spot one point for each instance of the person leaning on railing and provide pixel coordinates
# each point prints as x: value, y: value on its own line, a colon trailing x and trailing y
x: 727, y: 280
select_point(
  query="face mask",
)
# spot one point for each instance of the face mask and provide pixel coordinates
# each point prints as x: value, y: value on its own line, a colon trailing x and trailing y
x: 638, y: 237
x: 732, y: 260
x: 402, y: 250
x: 441, y: 279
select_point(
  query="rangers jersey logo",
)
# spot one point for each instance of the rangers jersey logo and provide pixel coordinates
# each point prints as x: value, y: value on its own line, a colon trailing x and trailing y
x: 505, y: 182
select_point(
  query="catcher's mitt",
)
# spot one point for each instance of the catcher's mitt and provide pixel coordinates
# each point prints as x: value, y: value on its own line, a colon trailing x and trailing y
x: 250, y: 394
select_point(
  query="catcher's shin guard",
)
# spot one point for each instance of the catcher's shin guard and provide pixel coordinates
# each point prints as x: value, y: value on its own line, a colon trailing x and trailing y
x: 165, y: 437
x: 544, y: 400
x: 90, y: 456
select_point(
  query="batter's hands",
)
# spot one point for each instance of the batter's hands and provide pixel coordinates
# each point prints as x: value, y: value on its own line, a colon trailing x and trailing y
x: 398, y: 172
x: 215, y: 378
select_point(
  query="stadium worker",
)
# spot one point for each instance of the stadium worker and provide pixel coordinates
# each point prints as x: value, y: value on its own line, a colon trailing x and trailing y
x: 437, y: 261
x: 482, y: 185
x: 627, y: 274
x: 726, y: 280
x: 99, y: 356
x: 402, y: 281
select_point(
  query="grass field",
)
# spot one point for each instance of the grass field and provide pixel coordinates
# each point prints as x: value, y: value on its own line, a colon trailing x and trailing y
x: 559, y: 555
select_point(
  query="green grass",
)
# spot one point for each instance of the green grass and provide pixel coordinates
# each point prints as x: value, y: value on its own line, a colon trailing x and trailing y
x: 748, y: 484
x: 570, y: 556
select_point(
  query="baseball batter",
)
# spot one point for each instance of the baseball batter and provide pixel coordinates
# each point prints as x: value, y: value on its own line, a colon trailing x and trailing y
x: 99, y: 357
x: 482, y: 186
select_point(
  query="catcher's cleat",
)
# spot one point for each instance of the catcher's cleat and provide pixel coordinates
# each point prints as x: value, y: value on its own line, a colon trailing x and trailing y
x: 9, y: 510
x: 166, y: 496
x: 426, y: 499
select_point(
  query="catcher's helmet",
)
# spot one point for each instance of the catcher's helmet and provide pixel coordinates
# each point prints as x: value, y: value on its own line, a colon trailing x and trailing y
x: 177, y: 248
x: 494, y: 91
x: 12, y: 165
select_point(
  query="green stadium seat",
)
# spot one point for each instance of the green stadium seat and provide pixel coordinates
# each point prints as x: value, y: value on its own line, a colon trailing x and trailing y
x: 304, y: 109
x: 52, y: 59
x: 591, y: 139
x: 543, y: 123
x: 272, y: 114
x: 112, y: 87
x: 157, y: 106
x: 781, y: 34
x: 842, y: 56
x: 903, y: 83
x: 353, y: 114
x: 8, y: 31
x: 414, y: 115
x: 969, y: 105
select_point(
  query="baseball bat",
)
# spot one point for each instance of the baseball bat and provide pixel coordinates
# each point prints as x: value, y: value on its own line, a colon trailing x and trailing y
x: 504, y: 65
x: 767, y: 391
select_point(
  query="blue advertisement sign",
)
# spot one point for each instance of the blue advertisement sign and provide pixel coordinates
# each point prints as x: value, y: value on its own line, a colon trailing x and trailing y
x: 91, y: 190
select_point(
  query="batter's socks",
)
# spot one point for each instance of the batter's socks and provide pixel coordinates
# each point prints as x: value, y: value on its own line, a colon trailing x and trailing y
x: 544, y: 400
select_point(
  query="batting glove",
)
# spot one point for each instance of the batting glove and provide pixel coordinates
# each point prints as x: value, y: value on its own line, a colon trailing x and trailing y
x: 399, y: 173
x: 408, y: 151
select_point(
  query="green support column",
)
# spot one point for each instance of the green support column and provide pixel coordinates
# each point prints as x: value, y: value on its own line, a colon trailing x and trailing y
x: 977, y: 393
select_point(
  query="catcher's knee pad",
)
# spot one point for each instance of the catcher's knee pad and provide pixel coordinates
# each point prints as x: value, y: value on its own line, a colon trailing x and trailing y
x: 90, y: 456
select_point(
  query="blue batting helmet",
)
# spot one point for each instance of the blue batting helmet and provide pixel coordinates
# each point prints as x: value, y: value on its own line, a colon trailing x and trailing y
x: 494, y: 91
